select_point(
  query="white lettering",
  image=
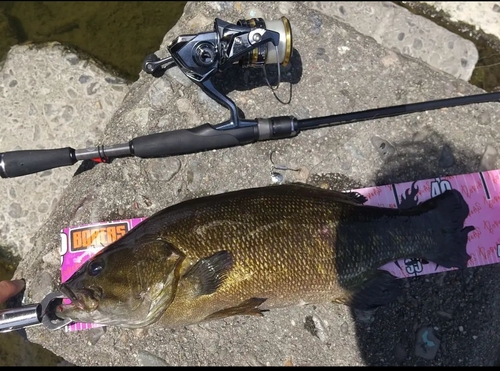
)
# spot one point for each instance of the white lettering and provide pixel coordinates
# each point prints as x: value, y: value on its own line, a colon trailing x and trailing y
x: 435, y: 189
x: 64, y: 246
x: 439, y: 186
x: 445, y: 186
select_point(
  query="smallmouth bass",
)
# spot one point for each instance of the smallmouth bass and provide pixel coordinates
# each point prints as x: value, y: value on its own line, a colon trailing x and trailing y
x: 243, y: 252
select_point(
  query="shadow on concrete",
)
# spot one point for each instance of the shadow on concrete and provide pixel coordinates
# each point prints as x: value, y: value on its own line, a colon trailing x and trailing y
x: 458, y: 308
x: 237, y: 78
x: 242, y: 79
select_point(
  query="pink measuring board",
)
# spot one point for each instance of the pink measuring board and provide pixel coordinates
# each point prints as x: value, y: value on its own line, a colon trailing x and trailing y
x: 481, y: 191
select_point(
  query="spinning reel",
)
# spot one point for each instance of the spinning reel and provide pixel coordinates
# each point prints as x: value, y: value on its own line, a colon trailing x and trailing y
x: 250, y: 43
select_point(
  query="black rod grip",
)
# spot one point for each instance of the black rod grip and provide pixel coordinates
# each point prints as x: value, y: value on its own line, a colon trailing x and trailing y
x: 18, y: 163
x: 185, y: 141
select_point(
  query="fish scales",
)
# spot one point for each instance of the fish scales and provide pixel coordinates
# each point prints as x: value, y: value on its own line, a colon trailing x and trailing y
x: 284, y: 254
x: 287, y: 249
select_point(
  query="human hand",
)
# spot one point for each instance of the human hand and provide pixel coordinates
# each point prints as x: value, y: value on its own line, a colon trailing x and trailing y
x: 10, y: 288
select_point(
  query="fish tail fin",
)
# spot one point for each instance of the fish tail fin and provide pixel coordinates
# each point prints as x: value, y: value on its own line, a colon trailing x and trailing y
x: 447, y: 214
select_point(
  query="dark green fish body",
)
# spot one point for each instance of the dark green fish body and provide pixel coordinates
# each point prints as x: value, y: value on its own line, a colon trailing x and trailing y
x: 256, y: 249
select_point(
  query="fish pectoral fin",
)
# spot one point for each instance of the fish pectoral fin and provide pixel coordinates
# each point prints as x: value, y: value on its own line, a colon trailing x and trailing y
x: 383, y: 288
x: 248, y: 307
x: 209, y: 273
x: 342, y: 300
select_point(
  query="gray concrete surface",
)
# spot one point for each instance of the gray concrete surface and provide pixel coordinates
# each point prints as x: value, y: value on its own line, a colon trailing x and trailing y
x: 396, y: 28
x: 49, y: 98
x: 335, y: 69
x: 482, y: 15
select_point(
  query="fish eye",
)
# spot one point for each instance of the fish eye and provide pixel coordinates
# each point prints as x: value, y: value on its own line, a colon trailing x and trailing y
x: 95, y: 268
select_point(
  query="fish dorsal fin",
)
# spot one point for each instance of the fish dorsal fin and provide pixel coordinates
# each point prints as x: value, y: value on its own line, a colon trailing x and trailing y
x: 208, y: 273
x: 249, y: 307
x: 350, y: 197
x: 354, y: 197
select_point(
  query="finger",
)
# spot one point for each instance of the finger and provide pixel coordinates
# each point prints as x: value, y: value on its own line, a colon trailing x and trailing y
x: 10, y: 288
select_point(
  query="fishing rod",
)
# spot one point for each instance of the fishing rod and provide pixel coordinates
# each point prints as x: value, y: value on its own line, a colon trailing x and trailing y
x: 250, y: 43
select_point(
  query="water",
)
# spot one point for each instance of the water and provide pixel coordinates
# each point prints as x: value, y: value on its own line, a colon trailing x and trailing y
x: 486, y: 74
x: 119, y: 35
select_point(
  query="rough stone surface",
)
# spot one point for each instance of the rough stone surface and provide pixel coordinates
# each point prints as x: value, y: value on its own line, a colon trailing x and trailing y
x: 359, y: 74
x: 481, y: 14
x: 396, y: 28
x: 49, y: 98
x: 426, y: 343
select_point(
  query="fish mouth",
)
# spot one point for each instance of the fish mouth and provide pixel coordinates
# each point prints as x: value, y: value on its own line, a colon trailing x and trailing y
x: 86, y: 299
x: 65, y: 290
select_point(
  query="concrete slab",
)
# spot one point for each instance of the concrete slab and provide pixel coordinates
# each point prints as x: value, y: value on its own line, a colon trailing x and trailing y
x: 484, y: 15
x: 49, y: 98
x: 396, y: 28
